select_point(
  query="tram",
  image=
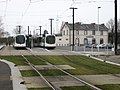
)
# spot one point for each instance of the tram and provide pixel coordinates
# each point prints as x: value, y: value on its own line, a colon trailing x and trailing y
x: 48, y: 41
x: 45, y: 41
x: 19, y: 41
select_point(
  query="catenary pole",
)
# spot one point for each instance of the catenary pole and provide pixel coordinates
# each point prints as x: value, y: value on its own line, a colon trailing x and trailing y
x: 40, y: 30
x: 73, y: 28
x: 116, y: 27
x: 51, y: 24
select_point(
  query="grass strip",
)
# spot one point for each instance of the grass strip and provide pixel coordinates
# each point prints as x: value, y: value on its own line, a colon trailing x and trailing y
x: 83, y: 64
x: 76, y: 88
x: 34, y: 60
x: 109, y: 87
x: 18, y: 60
x: 28, y: 73
x: 46, y: 88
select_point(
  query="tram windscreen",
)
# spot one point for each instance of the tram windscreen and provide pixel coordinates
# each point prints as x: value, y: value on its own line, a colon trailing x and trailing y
x: 50, y: 39
x: 20, y: 39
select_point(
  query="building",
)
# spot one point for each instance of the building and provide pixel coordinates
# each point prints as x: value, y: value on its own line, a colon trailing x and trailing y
x: 83, y: 34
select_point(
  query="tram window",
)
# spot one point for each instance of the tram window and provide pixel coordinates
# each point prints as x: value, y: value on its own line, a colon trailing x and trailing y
x: 20, y: 39
x: 50, y: 39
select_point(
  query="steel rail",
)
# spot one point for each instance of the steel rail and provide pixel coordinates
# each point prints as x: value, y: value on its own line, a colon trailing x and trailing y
x: 73, y: 76
x: 46, y: 81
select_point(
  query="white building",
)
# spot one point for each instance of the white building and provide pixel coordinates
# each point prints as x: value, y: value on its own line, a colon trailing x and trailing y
x: 83, y: 34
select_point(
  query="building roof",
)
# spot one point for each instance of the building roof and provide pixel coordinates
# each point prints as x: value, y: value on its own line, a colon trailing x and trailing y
x: 92, y: 26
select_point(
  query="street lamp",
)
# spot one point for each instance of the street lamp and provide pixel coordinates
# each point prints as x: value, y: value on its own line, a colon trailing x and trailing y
x: 51, y: 24
x: 73, y: 27
x: 98, y: 17
x: 98, y: 28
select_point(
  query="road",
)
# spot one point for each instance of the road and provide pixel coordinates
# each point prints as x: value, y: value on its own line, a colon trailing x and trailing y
x: 5, y: 73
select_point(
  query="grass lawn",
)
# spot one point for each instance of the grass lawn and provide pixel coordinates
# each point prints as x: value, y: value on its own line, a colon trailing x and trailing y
x: 18, y: 60
x: 76, y: 88
x: 110, y: 87
x: 83, y: 64
x: 28, y: 73
x: 40, y: 88
x: 35, y: 60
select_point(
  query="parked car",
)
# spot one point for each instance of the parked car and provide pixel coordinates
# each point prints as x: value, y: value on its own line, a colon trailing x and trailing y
x: 94, y: 45
x: 88, y: 45
x: 101, y: 45
x: 109, y: 46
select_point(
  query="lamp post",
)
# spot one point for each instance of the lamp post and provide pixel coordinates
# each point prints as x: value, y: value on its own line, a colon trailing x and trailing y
x: 98, y: 17
x: 40, y: 30
x: 51, y: 24
x: 98, y: 28
x: 73, y: 27
x: 116, y: 36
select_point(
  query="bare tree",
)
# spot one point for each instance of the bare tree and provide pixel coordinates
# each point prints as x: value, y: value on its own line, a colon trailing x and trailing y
x: 1, y: 28
x: 110, y: 25
x: 119, y: 25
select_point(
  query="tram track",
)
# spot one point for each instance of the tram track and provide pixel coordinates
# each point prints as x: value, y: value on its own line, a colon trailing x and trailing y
x: 35, y: 69
x: 55, y: 66
x: 58, y: 68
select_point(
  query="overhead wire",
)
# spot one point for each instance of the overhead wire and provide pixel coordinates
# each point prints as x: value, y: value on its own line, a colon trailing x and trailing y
x: 5, y: 12
x: 23, y: 14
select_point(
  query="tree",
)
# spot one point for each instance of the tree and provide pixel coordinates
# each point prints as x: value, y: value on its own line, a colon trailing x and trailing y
x: 110, y: 25
x: 1, y: 28
x: 118, y: 25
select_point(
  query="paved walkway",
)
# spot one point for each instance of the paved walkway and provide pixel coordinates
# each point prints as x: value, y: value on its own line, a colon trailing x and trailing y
x: 5, y: 73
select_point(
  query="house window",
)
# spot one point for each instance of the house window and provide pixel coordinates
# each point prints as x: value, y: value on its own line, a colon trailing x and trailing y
x: 93, y: 41
x: 93, y: 32
x: 85, y: 32
x: 77, y: 32
x: 67, y: 32
x: 63, y: 32
x: 85, y: 41
x: 101, y: 32
x: 101, y: 40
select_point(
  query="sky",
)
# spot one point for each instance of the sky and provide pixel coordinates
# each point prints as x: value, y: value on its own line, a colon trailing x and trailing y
x: 35, y: 13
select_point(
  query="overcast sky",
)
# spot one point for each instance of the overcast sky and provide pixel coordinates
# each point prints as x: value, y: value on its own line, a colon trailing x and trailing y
x: 37, y: 12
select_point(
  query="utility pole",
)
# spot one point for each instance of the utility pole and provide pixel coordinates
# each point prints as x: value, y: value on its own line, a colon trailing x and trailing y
x: 28, y: 30
x: 28, y: 41
x: 73, y: 28
x: 19, y: 29
x: 98, y: 29
x: 51, y: 24
x: 116, y: 27
x: 40, y: 30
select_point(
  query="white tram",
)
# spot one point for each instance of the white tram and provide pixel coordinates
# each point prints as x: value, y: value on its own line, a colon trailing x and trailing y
x: 20, y: 41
